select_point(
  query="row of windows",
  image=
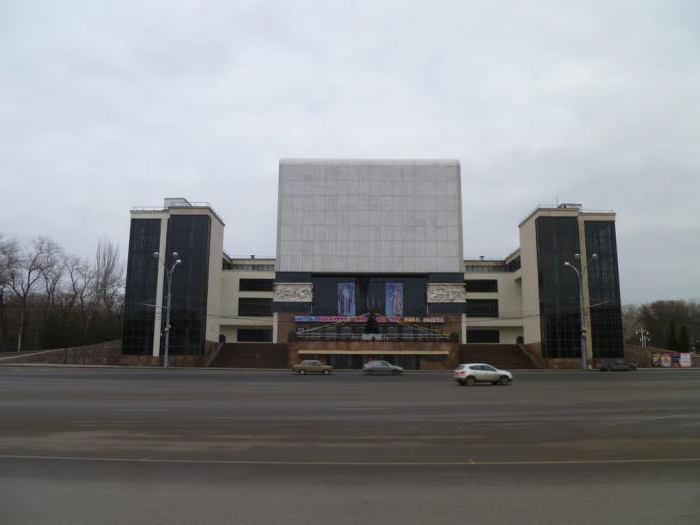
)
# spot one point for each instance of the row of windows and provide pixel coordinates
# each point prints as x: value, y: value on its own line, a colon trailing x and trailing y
x: 491, y: 267
x: 250, y: 267
x: 262, y: 307
x: 266, y: 285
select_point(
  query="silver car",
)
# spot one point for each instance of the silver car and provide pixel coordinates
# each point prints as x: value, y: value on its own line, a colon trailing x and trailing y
x: 471, y: 373
x: 381, y: 367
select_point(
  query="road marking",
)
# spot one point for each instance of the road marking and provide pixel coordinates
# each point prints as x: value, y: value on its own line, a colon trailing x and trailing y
x: 469, y: 462
x: 361, y: 408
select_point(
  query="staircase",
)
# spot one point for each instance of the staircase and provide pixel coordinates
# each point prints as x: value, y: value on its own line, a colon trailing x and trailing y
x: 251, y: 355
x: 505, y: 357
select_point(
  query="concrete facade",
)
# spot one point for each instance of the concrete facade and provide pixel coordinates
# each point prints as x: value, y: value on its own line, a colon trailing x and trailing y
x: 369, y: 216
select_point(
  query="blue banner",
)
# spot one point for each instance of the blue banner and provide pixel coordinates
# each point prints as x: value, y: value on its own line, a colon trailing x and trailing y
x: 394, y: 299
x: 346, y: 299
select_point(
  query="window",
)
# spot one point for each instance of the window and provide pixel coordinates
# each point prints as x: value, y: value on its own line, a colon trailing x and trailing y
x: 482, y: 307
x: 513, y: 265
x: 483, y: 336
x: 254, y: 335
x: 484, y: 268
x: 481, y: 285
x: 256, y: 285
x: 255, y: 307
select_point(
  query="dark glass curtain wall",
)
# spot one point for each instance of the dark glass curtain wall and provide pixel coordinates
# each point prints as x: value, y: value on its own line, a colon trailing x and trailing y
x: 189, y: 236
x: 370, y: 292
x: 557, y: 242
x: 604, y: 289
x: 141, y: 285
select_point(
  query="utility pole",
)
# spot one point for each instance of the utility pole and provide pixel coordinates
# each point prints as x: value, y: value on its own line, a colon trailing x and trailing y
x: 579, y: 275
x: 169, y: 272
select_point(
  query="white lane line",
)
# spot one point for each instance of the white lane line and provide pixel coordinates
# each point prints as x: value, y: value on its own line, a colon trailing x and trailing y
x: 361, y: 408
x: 469, y: 462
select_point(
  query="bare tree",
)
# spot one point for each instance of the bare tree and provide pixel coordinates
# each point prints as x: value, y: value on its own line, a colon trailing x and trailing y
x: 9, y: 259
x: 31, y: 264
x: 52, y: 274
x: 109, y: 274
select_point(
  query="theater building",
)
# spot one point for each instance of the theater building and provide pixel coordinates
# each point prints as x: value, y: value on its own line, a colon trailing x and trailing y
x: 370, y: 265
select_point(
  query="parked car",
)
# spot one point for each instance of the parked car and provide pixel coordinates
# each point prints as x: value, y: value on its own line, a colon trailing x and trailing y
x: 312, y: 366
x: 606, y: 365
x: 381, y: 367
x: 470, y: 373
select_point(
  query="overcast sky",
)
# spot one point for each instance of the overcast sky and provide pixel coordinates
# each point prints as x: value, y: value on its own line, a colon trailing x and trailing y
x: 109, y: 105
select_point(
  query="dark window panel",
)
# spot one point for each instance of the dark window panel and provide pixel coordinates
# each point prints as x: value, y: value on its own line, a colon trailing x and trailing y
x: 254, y: 307
x: 483, y: 336
x: 256, y: 285
x: 482, y: 307
x: 254, y: 335
x: 481, y: 285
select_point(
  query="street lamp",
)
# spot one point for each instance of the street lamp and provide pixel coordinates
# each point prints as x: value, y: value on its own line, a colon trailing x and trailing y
x: 579, y: 275
x: 169, y: 272
x: 643, y: 336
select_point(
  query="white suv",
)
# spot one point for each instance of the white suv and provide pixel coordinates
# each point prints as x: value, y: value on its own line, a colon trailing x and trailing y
x: 470, y: 373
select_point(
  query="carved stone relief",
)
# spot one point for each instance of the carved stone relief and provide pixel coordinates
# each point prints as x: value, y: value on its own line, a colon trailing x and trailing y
x: 293, y: 293
x: 446, y: 293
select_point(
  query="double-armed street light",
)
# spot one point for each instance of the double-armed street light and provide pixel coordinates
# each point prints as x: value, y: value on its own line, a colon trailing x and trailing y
x: 169, y: 271
x: 579, y: 275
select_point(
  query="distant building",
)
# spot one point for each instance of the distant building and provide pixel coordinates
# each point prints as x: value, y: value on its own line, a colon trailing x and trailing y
x: 370, y: 264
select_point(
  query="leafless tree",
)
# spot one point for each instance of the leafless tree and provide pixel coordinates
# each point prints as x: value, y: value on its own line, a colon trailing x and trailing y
x: 52, y: 274
x: 9, y: 259
x: 109, y: 274
x: 30, y: 268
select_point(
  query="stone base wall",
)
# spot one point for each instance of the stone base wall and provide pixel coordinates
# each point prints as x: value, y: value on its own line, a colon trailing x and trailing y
x: 379, y: 348
x: 173, y: 360
x: 106, y: 353
x: 564, y: 363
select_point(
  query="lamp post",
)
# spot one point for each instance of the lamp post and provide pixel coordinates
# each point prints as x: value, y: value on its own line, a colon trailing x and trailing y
x: 169, y: 272
x: 643, y: 336
x: 579, y: 276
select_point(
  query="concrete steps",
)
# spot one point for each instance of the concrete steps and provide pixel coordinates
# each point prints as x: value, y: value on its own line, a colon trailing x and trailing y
x: 506, y: 357
x: 251, y: 355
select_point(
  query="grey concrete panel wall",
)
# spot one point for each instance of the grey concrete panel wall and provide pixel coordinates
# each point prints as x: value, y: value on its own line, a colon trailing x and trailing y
x: 393, y: 216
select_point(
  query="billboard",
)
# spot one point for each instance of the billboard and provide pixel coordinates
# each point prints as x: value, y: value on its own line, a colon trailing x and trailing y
x: 346, y: 299
x: 394, y: 299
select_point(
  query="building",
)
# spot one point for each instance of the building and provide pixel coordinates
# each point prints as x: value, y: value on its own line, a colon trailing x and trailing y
x: 370, y: 264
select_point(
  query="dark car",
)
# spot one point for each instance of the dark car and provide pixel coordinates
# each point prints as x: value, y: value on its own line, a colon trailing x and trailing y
x: 607, y: 365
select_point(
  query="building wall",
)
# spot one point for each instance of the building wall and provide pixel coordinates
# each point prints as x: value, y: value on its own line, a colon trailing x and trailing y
x: 529, y: 283
x: 230, y: 319
x: 216, y: 247
x: 509, y: 322
x: 378, y: 217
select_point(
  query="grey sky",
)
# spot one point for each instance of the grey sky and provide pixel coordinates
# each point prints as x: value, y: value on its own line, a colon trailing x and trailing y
x: 109, y: 105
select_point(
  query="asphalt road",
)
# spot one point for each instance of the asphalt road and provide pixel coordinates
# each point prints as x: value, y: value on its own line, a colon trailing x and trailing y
x: 108, y: 445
